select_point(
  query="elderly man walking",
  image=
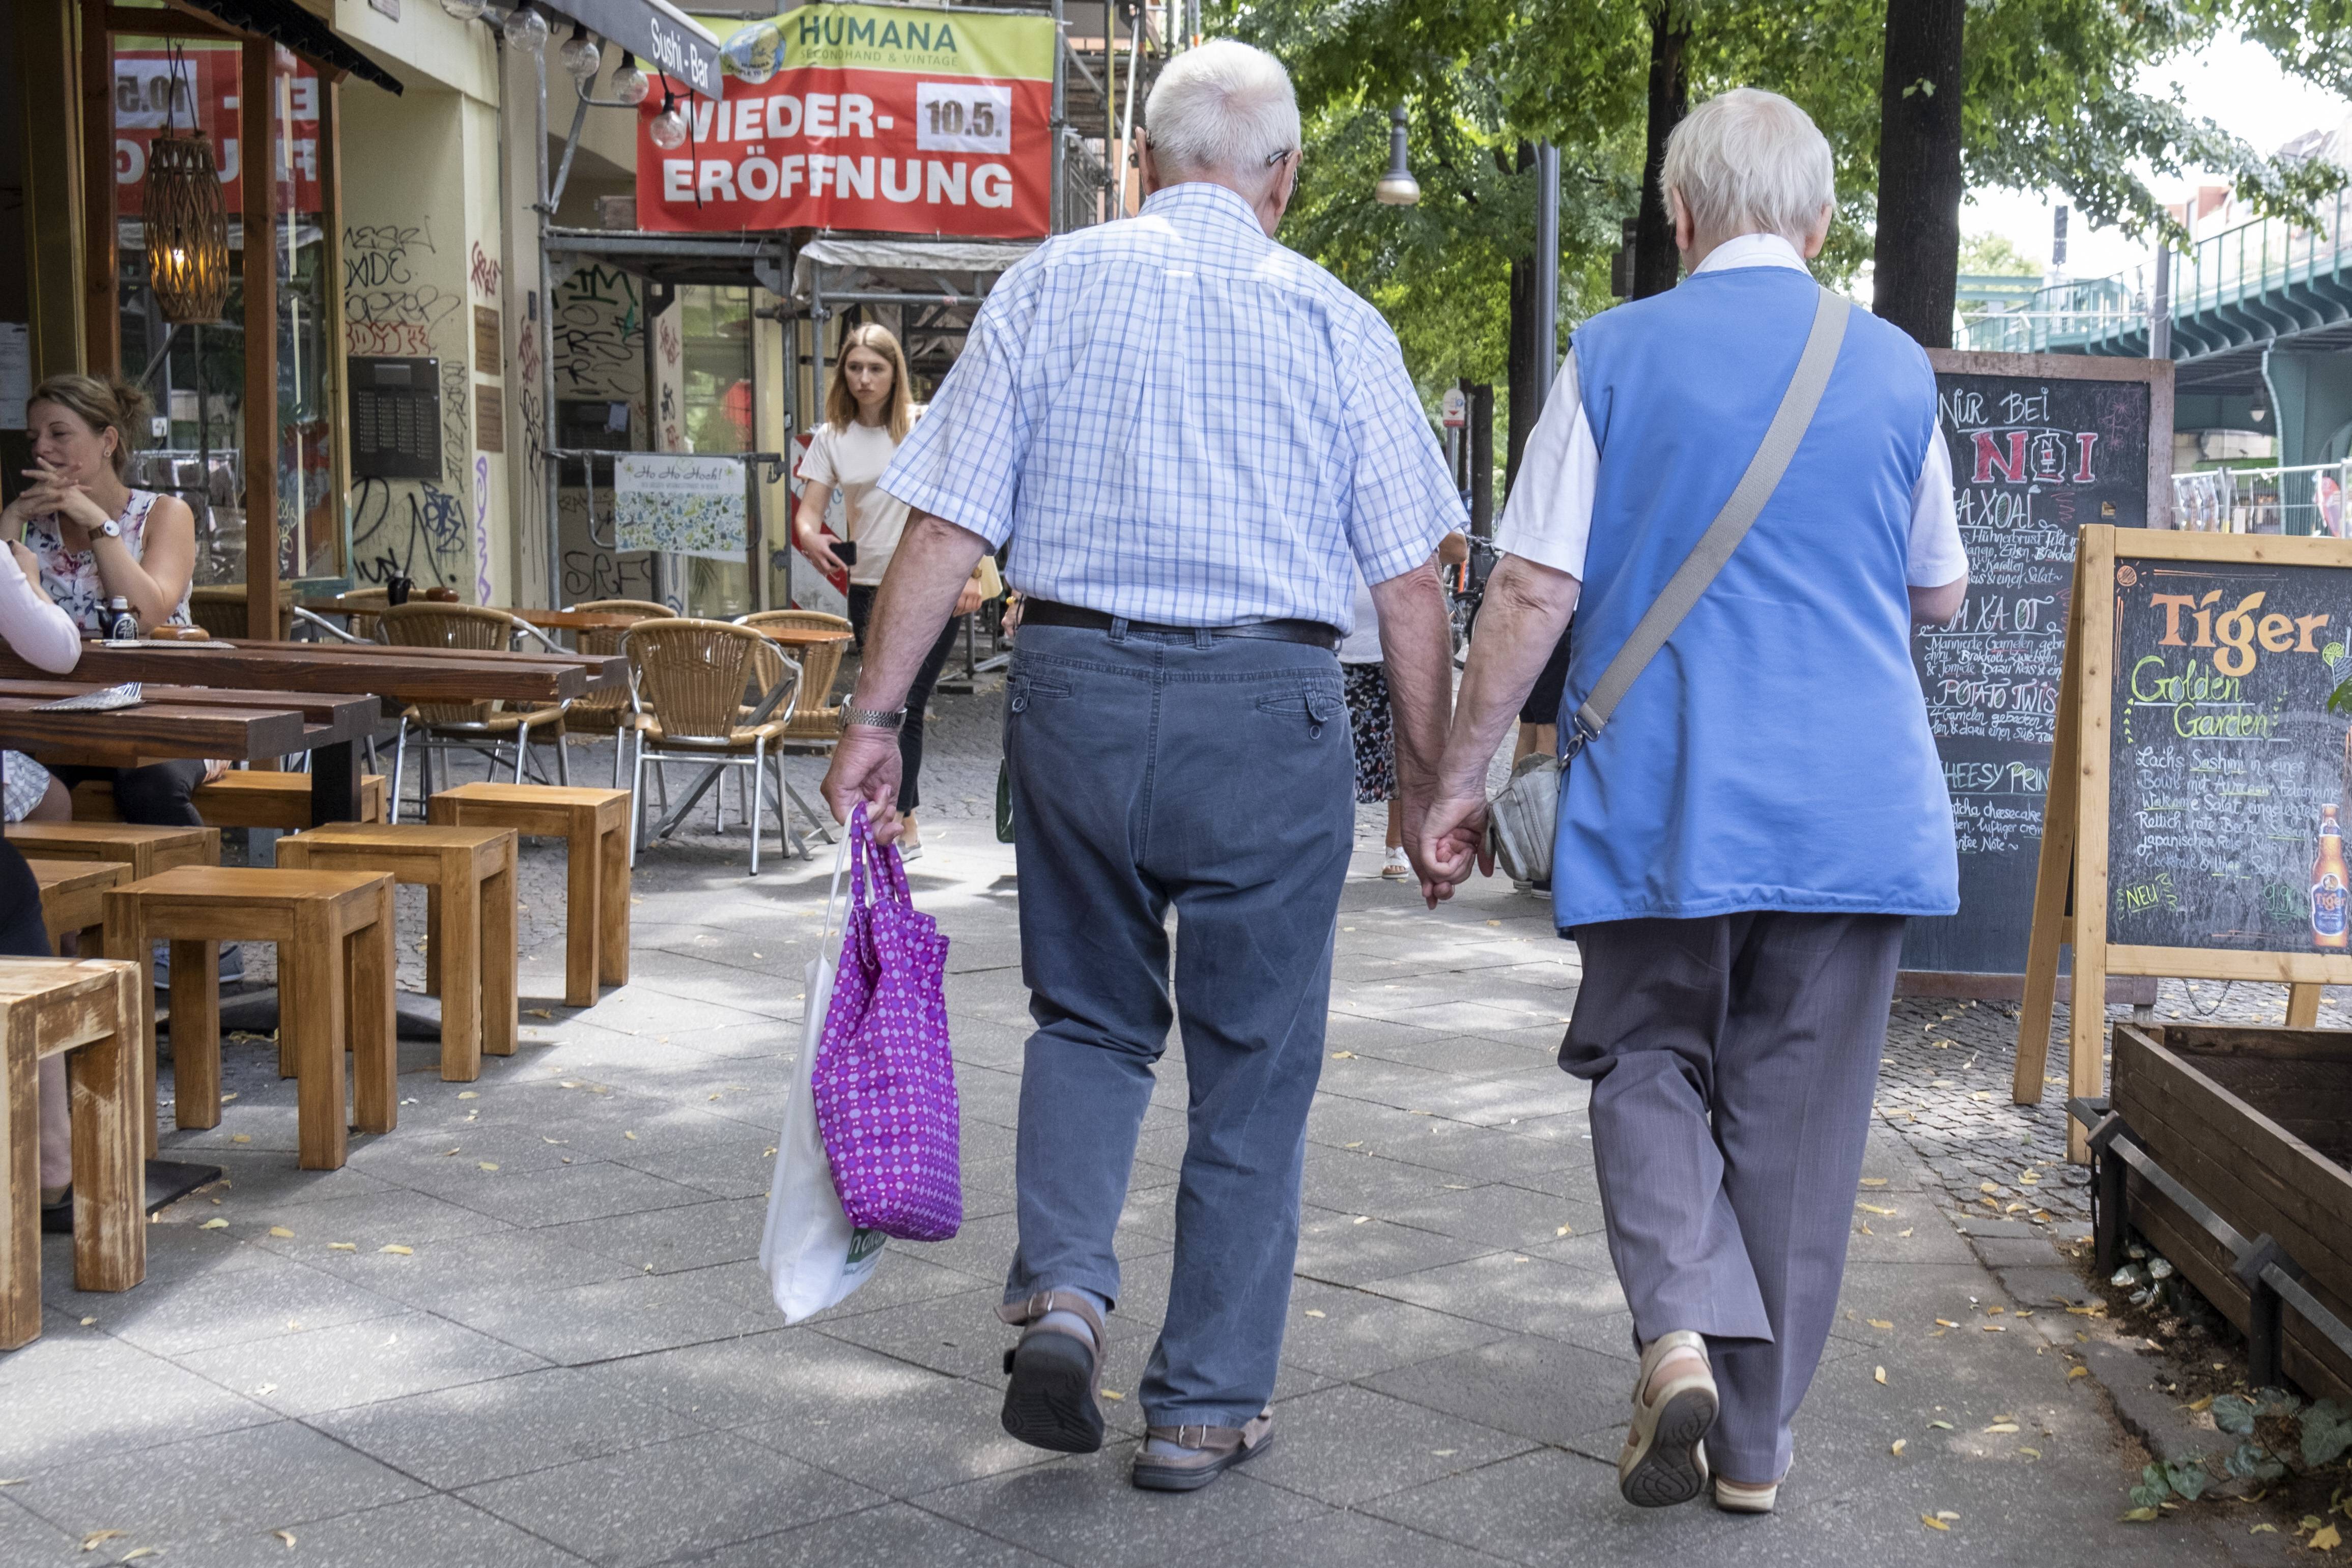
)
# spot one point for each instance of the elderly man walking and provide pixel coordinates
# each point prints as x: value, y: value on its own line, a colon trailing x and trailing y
x: 1195, y: 439
x: 1756, y: 803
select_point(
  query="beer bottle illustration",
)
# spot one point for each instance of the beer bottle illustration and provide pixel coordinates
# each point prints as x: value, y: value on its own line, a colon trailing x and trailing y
x: 2329, y: 893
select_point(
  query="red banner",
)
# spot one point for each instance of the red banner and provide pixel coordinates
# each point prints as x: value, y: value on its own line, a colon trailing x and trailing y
x: 204, y: 95
x: 905, y: 144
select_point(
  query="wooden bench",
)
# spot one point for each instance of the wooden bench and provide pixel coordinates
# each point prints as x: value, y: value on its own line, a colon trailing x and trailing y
x: 594, y: 826
x: 334, y: 934
x: 146, y: 850
x: 469, y: 930
x: 89, y: 1009
x: 240, y: 799
x: 73, y: 898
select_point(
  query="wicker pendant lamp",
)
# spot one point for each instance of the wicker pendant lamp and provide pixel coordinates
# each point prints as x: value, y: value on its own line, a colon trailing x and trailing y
x: 187, y: 228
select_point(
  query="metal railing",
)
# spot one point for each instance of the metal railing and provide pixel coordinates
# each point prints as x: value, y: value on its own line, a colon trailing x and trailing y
x: 2268, y: 277
x: 2308, y: 499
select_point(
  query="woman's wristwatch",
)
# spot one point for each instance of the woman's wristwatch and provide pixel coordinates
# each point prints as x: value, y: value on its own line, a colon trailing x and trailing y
x: 874, y: 717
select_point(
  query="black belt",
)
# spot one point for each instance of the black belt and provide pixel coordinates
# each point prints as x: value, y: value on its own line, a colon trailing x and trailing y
x: 1046, y: 612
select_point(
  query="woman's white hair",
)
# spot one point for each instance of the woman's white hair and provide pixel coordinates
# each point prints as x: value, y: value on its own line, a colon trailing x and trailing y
x: 1750, y: 161
x: 1222, y: 108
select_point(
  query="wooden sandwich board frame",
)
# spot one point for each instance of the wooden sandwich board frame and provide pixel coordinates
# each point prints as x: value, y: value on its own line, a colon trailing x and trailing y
x: 2075, y: 826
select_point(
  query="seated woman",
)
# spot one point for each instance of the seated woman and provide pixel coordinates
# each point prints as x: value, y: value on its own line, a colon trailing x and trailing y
x: 96, y: 540
x: 41, y: 634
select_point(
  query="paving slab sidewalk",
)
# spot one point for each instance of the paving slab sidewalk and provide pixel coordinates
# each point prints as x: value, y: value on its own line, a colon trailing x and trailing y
x: 574, y: 1358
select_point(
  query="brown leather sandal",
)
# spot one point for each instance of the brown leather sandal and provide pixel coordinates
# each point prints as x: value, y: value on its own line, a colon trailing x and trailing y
x: 1215, y: 1450
x: 1052, y: 1401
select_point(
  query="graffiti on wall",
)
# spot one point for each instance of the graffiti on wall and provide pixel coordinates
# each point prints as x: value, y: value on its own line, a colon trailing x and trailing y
x: 414, y: 527
x: 597, y: 324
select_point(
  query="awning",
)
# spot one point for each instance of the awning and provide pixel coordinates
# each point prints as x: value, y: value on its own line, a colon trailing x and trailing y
x: 907, y: 264
x: 287, y: 23
x: 663, y: 37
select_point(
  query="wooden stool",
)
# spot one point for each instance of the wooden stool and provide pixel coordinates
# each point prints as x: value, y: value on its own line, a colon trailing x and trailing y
x: 239, y: 799
x: 594, y: 825
x: 333, y: 931
x: 73, y: 897
x: 91, y: 1009
x: 471, y: 909
x: 146, y: 850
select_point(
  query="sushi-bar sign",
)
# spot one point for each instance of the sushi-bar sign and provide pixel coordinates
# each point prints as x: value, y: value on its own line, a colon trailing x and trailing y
x: 887, y: 117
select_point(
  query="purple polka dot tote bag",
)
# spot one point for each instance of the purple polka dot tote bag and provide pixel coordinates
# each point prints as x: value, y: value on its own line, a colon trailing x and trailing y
x: 884, y: 1076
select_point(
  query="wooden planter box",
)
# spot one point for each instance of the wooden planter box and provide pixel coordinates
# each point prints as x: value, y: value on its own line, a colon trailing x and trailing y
x: 2257, y: 1122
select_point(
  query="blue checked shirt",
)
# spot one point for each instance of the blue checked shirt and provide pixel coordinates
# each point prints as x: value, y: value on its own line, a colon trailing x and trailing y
x: 1176, y: 420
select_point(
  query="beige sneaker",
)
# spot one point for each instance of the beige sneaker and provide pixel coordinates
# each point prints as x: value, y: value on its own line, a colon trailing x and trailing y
x: 1738, y: 1497
x: 1665, y: 1460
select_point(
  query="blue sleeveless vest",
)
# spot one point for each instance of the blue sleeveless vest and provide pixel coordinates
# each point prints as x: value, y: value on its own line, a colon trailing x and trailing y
x: 1776, y: 754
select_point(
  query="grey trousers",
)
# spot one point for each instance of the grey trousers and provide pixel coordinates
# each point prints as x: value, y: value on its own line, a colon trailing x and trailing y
x: 1215, y: 776
x: 1732, y: 1062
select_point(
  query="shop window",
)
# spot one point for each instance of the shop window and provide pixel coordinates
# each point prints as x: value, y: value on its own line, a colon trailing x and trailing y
x: 715, y: 326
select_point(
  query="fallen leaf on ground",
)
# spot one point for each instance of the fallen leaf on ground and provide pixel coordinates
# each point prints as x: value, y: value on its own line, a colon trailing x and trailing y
x: 342, y: 1246
x: 1112, y: 1394
x: 1879, y: 1322
x: 2325, y: 1538
x: 280, y: 1231
x: 2074, y: 1371
x: 135, y: 1554
x: 485, y: 1164
x: 1900, y: 1444
x: 215, y: 1223
x: 1932, y: 1523
x: 470, y: 1094
x: 539, y: 1013
x: 240, y: 1137
x: 1878, y: 1375
x: 2140, y: 1516
x: 1360, y: 1219
x: 396, y: 1249
x: 89, y: 1323
x: 1446, y: 1453
x: 1905, y: 1231
x: 1565, y: 1231
x: 1315, y: 1313
x: 1874, y: 1181
x: 2031, y: 1453
x: 2263, y: 1530
x: 568, y: 1084
x: 97, y: 1538
x: 1946, y: 1513
x: 1944, y: 1425
x: 1343, y: 1056
x: 632, y: 1138
x: 2002, y: 1426
x: 284, y: 1535
x: 1874, y: 1208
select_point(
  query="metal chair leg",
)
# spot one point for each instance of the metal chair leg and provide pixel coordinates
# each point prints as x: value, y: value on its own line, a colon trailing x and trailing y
x: 399, y: 767
x: 823, y: 833
x: 563, y: 758
x: 759, y: 777
x: 636, y: 803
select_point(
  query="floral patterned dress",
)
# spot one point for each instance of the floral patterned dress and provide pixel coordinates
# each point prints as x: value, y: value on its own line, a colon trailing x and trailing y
x: 72, y: 577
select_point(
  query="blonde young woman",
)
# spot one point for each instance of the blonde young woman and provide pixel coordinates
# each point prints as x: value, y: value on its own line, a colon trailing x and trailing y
x: 867, y: 412
x: 95, y: 539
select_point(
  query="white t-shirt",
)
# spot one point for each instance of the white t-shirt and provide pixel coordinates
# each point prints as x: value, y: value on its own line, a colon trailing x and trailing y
x: 1549, y: 517
x: 850, y: 461
x: 1362, y: 645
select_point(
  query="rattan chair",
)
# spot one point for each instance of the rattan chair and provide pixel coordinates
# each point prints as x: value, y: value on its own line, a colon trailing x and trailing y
x: 482, y: 727
x: 687, y: 685
x: 607, y: 712
x: 220, y: 610
x: 816, y: 718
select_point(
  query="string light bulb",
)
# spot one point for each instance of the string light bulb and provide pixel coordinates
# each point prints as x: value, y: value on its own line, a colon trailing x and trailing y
x: 580, y: 55
x: 667, y: 130
x: 526, y: 31
x: 630, y: 85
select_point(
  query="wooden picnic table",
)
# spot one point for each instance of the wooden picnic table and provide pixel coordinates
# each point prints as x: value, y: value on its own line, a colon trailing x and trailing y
x: 402, y: 674
x: 180, y: 721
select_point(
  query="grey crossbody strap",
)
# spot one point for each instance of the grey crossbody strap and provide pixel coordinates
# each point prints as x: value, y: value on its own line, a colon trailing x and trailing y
x: 1730, y: 526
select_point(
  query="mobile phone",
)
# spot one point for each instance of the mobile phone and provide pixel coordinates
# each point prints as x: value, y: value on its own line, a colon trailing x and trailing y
x: 846, y: 549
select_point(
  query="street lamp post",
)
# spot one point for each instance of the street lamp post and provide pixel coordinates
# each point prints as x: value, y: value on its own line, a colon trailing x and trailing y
x: 1547, y: 299
x: 1397, y: 188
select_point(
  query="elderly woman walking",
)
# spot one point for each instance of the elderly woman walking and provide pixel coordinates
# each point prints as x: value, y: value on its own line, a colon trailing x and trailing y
x: 1752, y: 817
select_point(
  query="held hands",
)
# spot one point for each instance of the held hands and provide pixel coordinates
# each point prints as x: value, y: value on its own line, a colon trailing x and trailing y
x: 1450, y: 840
x: 866, y: 768
x: 51, y: 492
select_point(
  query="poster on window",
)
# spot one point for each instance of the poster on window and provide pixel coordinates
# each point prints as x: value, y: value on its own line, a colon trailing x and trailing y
x: 890, y: 118
x: 679, y: 504
x: 154, y: 93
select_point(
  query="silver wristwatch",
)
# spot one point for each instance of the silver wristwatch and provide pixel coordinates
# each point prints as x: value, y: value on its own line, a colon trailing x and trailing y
x: 873, y: 717
x: 111, y: 528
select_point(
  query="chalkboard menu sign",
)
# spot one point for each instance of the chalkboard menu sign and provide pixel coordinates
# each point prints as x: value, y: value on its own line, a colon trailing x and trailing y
x: 2226, y: 782
x: 2198, y: 783
x: 2040, y: 445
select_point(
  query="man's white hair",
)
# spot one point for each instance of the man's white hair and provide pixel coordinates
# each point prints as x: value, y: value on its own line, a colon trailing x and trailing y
x: 1222, y: 110
x: 1750, y: 161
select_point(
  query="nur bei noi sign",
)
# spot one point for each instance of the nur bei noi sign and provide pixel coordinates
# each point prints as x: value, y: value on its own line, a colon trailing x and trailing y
x: 879, y: 117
